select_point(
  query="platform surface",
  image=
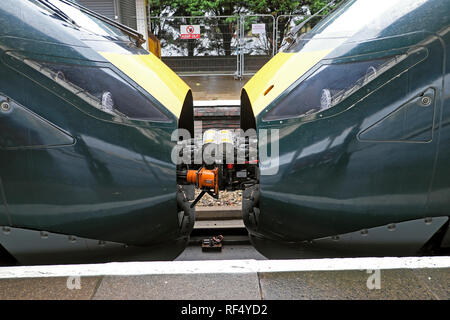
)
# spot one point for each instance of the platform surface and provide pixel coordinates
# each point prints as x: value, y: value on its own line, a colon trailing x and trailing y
x: 351, y: 278
x: 215, y: 87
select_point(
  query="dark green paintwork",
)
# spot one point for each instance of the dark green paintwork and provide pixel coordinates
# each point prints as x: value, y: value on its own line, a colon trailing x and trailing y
x: 377, y: 157
x: 21, y: 129
x: 81, y: 171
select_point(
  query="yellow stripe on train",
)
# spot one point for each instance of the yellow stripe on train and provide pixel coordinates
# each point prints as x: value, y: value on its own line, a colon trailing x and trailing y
x: 154, y: 76
x: 280, y: 72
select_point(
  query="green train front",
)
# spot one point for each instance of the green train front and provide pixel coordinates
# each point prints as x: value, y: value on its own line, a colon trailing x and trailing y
x: 86, y: 117
x: 356, y: 114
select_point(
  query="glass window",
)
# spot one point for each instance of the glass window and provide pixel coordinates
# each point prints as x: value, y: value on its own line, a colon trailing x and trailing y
x: 355, y: 16
x: 89, y: 22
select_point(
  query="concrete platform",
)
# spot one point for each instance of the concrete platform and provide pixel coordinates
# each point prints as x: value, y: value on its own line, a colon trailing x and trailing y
x: 355, y: 278
x: 215, y: 87
x: 194, y: 253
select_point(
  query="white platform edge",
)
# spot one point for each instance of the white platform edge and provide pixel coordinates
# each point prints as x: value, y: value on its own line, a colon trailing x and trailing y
x: 223, y: 267
x: 213, y: 103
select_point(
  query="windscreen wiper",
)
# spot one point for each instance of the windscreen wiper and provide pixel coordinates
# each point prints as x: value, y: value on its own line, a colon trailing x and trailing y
x: 127, y: 30
x: 58, y: 11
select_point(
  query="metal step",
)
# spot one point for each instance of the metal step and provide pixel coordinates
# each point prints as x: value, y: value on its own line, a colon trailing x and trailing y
x: 233, y: 231
x: 218, y: 213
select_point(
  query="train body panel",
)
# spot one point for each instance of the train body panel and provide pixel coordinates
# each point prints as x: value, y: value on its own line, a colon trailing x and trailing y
x: 361, y: 133
x: 439, y: 197
x: 93, y: 159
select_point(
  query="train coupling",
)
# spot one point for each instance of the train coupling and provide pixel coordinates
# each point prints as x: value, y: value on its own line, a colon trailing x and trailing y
x: 228, y: 162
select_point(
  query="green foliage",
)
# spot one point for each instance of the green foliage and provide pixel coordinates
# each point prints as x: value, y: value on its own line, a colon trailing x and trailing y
x: 221, y: 32
x: 316, y: 5
x: 275, y: 7
x: 175, y: 7
x: 232, y: 7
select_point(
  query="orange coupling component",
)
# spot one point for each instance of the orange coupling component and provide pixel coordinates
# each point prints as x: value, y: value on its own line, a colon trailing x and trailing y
x: 204, y: 178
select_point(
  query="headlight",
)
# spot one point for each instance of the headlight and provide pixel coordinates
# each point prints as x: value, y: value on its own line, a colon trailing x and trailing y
x: 328, y: 86
x: 107, y: 102
x: 102, y: 88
